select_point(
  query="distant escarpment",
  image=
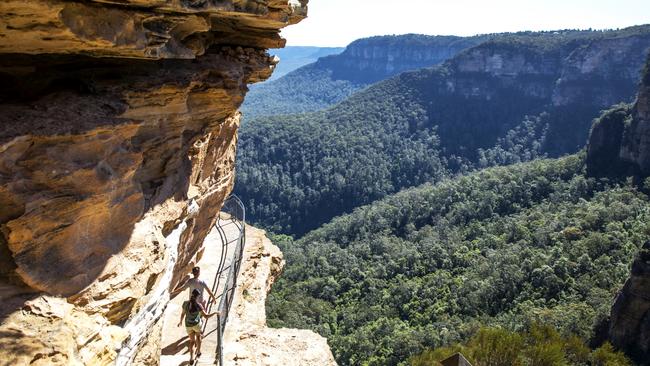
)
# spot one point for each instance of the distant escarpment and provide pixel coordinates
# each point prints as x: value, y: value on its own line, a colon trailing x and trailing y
x: 569, y: 75
x: 333, y: 78
x: 372, y: 59
x: 118, y: 131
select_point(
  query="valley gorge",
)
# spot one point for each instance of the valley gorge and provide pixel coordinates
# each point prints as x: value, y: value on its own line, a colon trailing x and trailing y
x: 437, y: 194
x: 425, y: 263
x: 118, y: 137
x: 512, y: 98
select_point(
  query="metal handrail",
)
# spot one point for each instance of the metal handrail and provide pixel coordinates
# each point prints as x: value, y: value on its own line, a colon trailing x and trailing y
x: 236, y: 211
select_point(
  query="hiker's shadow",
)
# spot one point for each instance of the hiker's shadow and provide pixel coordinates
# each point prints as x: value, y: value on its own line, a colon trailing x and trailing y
x: 176, y: 347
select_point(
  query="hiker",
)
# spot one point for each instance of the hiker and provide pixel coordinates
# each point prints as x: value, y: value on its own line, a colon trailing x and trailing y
x: 192, y: 312
x: 196, y: 283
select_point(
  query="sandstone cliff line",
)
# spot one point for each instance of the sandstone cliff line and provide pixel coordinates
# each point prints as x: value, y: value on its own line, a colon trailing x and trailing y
x: 118, y: 130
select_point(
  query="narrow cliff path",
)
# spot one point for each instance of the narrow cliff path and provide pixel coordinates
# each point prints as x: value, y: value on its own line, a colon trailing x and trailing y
x: 247, y: 340
x: 174, y: 338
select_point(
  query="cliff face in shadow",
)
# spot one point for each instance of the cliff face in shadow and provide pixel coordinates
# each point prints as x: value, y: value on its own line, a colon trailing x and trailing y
x: 118, y: 129
x: 619, y: 145
x: 630, y: 320
x: 620, y: 139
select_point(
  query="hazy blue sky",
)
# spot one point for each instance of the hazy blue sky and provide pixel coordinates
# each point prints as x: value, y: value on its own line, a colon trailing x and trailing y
x: 338, y: 22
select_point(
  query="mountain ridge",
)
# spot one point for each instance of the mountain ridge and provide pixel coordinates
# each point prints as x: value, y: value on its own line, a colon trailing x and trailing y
x: 473, y: 111
x: 333, y: 78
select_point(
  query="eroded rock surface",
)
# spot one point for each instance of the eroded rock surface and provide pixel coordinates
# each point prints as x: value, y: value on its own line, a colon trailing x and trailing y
x: 150, y: 29
x: 247, y: 340
x: 113, y: 169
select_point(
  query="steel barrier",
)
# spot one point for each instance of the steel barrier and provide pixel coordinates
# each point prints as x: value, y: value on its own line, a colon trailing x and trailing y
x: 232, y: 219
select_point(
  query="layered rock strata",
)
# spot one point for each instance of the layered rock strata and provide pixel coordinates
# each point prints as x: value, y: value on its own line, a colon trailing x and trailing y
x: 118, y: 129
x: 247, y: 340
x: 369, y: 60
x: 149, y: 29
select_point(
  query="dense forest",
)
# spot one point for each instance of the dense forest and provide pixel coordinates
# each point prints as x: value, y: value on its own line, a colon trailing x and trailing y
x: 296, y: 172
x: 531, y: 243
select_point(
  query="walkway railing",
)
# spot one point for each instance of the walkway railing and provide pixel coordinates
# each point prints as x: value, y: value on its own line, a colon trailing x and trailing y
x: 231, y: 225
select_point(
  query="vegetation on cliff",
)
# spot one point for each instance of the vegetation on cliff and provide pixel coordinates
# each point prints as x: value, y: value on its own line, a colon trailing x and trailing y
x: 507, y: 246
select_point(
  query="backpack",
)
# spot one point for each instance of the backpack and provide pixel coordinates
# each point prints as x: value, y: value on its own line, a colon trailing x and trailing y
x: 191, y: 319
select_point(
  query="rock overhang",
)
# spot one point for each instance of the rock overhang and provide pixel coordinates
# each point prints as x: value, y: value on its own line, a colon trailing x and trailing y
x: 143, y: 29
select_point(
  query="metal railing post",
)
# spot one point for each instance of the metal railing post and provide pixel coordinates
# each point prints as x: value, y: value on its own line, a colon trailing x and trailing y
x: 218, y: 359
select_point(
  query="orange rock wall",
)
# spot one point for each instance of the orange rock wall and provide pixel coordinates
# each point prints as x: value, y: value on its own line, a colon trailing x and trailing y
x: 118, y: 132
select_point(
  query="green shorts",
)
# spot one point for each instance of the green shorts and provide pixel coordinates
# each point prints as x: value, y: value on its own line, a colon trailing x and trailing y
x: 193, y: 329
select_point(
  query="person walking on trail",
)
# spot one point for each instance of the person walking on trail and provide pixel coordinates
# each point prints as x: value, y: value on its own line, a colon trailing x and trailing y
x: 196, y: 283
x: 193, y: 310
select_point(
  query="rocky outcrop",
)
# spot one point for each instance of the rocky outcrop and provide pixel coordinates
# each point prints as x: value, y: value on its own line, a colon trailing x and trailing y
x: 635, y: 148
x: 620, y: 139
x: 116, y: 154
x: 150, y: 29
x: 247, y: 340
x: 604, y: 147
x: 630, y: 320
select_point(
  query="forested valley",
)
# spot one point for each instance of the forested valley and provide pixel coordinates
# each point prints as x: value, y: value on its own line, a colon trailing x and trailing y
x: 535, y: 242
x: 457, y: 208
x: 296, y: 172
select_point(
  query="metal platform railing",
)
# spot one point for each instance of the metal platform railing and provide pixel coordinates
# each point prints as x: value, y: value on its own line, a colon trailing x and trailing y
x: 231, y: 225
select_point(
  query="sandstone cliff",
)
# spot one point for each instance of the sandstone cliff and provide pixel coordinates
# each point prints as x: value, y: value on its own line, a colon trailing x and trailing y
x: 571, y: 80
x: 333, y: 78
x: 118, y: 129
